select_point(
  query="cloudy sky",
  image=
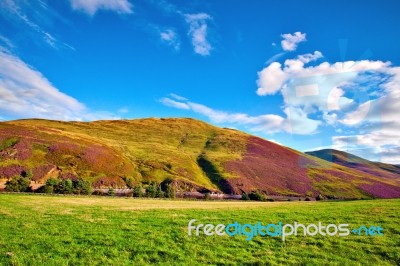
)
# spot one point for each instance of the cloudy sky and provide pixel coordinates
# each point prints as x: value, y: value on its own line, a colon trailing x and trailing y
x: 304, y: 75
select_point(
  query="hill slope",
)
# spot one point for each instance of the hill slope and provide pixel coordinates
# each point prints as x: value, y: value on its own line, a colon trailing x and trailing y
x: 194, y: 154
x: 358, y: 163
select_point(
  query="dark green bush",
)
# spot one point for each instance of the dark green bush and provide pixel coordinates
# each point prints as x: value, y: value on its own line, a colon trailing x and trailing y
x: 65, y: 186
x: 151, y: 190
x: 82, y: 186
x: 138, y: 191
x: 256, y: 196
x: 18, y: 184
x: 159, y: 192
x: 170, y: 191
x: 245, y: 196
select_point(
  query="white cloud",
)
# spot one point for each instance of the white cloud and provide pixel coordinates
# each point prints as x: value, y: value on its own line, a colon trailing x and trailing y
x: 90, y: 7
x: 290, y: 41
x: 271, y: 79
x: 322, y: 85
x: 263, y: 123
x: 172, y: 103
x: 307, y: 58
x: 359, y: 98
x: 358, y: 116
x: 6, y: 42
x: 198, y: 32
x: 170, y: 37
x: 297, y: 121
x: 377, y: 125
x: 268, y: 123
x: 28, y: 17
x: 24, y: 92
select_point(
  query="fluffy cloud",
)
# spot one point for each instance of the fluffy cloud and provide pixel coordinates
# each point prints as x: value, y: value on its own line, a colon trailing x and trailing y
x: 171, y: 38
x: 290, y: 41
x: 298, y: 122
x: 24, y: 90
x: 322, y: 86
x: 198, y: 32
x: 271, y: 79
x: 358, y: 98
x: 90, y: 7
x: 377, y: 123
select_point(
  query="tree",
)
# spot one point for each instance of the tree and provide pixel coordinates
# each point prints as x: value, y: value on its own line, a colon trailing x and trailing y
x: 129, y: 181
x: 50, y: 186
x: 151, y: 190
x: 82, y: 187
x: 18, y: 184
x: 138, y: 191
x: 159, y: 192
x: 256, y: 196
x: 65, y: 187
x: 245, y: 196
x: 168, y: 187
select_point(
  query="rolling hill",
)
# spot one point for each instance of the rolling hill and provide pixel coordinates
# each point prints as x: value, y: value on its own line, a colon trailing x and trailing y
x: 194, y: 155
x: 358, y: 163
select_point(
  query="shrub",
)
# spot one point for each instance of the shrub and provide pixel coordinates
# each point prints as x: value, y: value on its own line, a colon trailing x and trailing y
x: 151, y: 190
x: 48, y: 189
x: 65, y: 187
x: 129, y: 181
x: 245, y: 196
x: 111, y: 192
x: 170, y: 192
x: 159, y: 192
x: 138, y: 191
x: 18, y: 184
x: 307, y: 199
x: 82, y: 186
x: 50, y: 186
x: 256, y: 196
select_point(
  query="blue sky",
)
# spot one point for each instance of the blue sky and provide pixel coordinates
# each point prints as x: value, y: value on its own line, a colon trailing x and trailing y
x: 301, y: 74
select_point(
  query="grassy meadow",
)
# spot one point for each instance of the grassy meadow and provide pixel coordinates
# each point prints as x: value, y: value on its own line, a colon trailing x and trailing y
x: 77, y: 230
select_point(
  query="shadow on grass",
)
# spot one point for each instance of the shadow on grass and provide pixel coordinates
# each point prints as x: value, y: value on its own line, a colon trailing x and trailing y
x: 213, y: 174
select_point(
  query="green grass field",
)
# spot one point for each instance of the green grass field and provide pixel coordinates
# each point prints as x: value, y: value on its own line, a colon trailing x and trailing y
x: 68, y: 230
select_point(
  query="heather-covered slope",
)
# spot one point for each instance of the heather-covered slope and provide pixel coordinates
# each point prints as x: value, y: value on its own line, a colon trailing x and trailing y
x: 194, y: 154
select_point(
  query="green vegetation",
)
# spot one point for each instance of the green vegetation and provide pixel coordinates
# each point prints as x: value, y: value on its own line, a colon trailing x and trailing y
x: 138, y: 191
x: 18, y: 184
x: 88, y: 230
x: 256, y: 196
x: 128, y: 150
x: 67, y: 186
x: 9, y: 142
x: 193, y: 155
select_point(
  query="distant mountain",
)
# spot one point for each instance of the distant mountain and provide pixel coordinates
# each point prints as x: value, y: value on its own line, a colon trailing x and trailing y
x: 194, y: 155
x: 355, y: 162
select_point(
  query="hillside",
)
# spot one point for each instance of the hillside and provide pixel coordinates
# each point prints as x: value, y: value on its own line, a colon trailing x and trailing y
x: 192, y: 154
x: 358, y: 163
